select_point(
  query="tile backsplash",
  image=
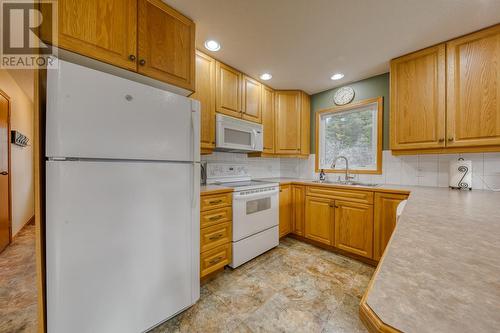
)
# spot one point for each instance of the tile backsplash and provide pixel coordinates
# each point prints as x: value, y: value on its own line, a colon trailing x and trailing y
x: 424, y: 170
x: 258, y: 167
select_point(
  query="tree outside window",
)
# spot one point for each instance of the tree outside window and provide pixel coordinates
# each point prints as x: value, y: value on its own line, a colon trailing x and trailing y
x: 353, y: 131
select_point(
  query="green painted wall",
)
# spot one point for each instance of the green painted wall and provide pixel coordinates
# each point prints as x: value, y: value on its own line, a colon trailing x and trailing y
x: 369, y: 88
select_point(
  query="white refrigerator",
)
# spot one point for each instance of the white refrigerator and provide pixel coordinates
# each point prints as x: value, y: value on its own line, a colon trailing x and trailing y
x: 122, y: 203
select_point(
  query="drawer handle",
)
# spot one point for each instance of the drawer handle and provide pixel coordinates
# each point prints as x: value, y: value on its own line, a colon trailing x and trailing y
x: 215, y: 202
x: 214, y: 261
x: 215, y: 237
x: 215, y: 218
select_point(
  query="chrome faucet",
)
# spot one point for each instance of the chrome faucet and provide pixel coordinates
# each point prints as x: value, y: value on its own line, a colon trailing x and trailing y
x: 347, y: 177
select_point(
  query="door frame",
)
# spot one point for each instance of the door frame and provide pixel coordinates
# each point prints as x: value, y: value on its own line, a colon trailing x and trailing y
x: 9, y: 167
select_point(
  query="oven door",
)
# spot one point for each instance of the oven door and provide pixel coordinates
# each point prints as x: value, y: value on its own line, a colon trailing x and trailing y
x: 254, y: 212
x: 238, y: 135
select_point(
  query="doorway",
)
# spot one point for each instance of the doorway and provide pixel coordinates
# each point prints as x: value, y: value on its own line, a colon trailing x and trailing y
x: 5, y: 181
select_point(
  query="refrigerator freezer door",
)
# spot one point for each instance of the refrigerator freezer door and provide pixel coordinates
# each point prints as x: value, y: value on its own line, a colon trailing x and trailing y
x: 91, y: 114
x: 122, y: 244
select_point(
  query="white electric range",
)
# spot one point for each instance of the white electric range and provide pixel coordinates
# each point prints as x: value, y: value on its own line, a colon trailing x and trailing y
x: 255, y: 210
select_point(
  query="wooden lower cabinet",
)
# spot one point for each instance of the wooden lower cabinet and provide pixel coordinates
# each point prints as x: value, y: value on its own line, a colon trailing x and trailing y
x: 354, y: 228
x: 386, y: 205
x: 215, y: 232
x: 319, y: 219
x: 215, y: 259
x: 298, y: 209
x: 285, y: 210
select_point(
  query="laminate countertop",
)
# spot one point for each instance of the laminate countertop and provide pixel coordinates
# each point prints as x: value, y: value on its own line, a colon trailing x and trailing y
x: 214, y: 189
x: 441, y: 270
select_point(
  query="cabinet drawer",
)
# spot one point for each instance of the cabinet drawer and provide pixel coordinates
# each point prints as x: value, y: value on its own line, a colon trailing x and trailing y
x: 215, y: 216
x: 341, y: 194
x: 215, y: 201
x: 214, y: 236
x: 215, y: 259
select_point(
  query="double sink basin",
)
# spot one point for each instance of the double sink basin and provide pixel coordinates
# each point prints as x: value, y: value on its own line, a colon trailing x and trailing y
x: 347, y: 183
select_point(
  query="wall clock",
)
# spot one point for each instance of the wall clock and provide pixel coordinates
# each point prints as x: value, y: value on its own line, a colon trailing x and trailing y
x: 343, y: 96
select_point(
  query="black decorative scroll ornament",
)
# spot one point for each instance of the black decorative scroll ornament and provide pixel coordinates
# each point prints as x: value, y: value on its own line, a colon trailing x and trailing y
x: 465, y: 170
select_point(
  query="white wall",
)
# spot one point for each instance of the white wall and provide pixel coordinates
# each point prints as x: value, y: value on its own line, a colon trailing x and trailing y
x: 21, y: 119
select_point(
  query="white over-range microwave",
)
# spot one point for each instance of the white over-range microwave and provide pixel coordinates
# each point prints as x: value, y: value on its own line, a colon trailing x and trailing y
x: 238, y: 135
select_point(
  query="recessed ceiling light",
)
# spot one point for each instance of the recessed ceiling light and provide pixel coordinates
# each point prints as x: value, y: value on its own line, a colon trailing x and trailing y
x: 337, y: 76
x: 212, y: 45
x: 266, y: 76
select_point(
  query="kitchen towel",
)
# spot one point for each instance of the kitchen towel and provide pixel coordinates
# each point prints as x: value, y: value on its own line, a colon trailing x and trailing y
x: 460, y: 176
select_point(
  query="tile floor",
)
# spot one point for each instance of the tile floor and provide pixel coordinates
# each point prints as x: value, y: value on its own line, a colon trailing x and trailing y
x: 18, y: 294
x: 295, y: 287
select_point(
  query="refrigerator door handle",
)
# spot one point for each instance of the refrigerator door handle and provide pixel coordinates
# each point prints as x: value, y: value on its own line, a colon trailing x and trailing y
x: 193, y: 192
x: 195, y: 129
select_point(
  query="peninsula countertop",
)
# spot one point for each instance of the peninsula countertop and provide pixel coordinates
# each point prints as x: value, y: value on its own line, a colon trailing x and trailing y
x: 441, y: 270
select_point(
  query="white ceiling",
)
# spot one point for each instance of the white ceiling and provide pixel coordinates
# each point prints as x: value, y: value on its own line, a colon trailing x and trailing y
x: 303, y: 42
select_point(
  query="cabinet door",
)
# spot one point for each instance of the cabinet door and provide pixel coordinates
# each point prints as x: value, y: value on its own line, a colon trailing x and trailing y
x: 105, y: 30
x: 228, y: 90
x: 305, y: 124
x: 298, y: 209
x: 385, y: 220
x: 285, y: 210
x: 418, y: 100
x: 319, y: 220
x: 166, y: 44
x: 287, y: 122
x: 354, y: 228
x: 205, y: 93
x: 252, y: 106
x: 268, y: 119
x: 473, y: 77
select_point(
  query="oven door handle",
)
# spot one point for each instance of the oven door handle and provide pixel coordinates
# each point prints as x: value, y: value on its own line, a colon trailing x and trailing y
x: 237, y: 196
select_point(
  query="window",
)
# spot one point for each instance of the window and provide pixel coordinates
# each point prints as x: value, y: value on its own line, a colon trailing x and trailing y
x: 353, y: 131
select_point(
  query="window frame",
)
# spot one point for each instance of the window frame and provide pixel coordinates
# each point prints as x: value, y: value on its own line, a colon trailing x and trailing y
x: 359, y: 104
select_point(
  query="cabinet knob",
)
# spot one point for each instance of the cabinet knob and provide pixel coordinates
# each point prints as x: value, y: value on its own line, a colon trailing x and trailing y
x: 132, y: 57
x: 441, y: 140
x: 450, y: 139
x: 142, y: 62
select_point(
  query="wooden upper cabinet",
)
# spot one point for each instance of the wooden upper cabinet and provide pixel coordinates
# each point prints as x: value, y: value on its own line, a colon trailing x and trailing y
x: 386, y: 205
x: 228, y: 90
x: 418, y: 99
x: 319, y: 220
x: 105, y: 30
x: 251, y: 100
x: 473, y: 94
x: 268, y: 119
x: 298, y: 209
x: 288, y: 117
x: 205, y: 93
x: 166, y: 49
x: 285, y: 212
x: 305, y: 124
x: 354, y: 228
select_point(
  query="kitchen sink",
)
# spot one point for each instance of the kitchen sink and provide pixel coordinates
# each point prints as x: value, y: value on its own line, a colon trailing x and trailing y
x: 349, y: 183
